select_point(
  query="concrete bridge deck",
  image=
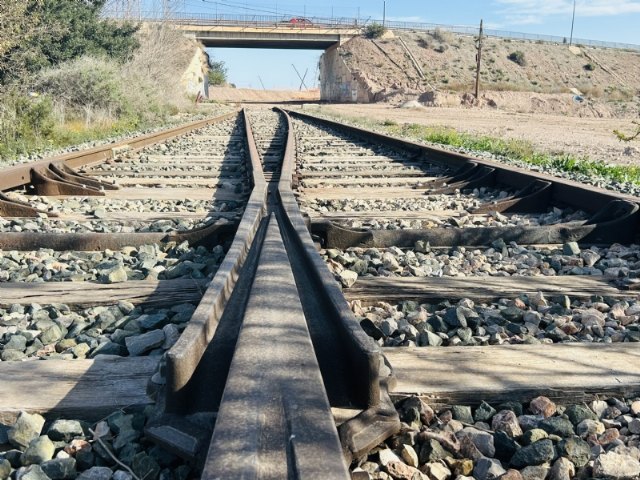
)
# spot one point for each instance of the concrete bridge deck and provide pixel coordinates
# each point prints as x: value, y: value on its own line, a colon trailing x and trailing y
x: 282, y: 35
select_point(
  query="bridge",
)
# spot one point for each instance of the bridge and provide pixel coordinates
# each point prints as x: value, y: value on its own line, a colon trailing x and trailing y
x: 268, y: 31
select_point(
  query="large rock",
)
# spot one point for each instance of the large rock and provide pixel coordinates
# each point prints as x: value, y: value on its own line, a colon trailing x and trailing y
x: 410, y: 456
x: 590, y: 427
x: 615, y: 466
x: 578, y: 413
x: 141, y: 344
x: 348, y: 278
x: 436, y: 471
x: 482, y: 440
x: 506, y: 421
x: 432, y: 451
x: 32, y: 472
x: 96, y: 473
x: 536, y: 472
x: 5, y: 469
x: 488, y: 469
x: 27, y: 428
x: 506, y: 447
x: 65, y: 430
x: 39, y: 450
x: 534, y: 454
x: 576, y: 450
x: 557, y: 426
x: 400, y: 471
x: 115, y: 275
x: 146, y: 467
x: 562, y: 469
x: 542, y: 406
x: 484, y: 412
x: 462, y: 413
x: 60, y: 468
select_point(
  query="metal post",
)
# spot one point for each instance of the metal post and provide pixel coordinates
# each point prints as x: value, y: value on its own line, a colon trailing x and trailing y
x: 479, y: 59
x: 384, y: 13
x: 573, y: 21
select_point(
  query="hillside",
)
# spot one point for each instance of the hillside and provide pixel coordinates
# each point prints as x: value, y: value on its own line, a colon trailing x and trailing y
x: 609, y: 79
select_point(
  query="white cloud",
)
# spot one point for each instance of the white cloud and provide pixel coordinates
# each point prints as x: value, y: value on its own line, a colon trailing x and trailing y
x: 533, y: 11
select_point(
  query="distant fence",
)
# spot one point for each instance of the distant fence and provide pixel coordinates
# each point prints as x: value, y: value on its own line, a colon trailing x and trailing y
x: 284, y: 21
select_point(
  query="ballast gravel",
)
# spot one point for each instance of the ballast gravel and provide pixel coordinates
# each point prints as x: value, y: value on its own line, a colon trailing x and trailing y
x: 147, y: 262
x: 537, y: 440
x: 615, y: 262
x: 525, y: 320
x: 32, y: 332
x: 116, y: 448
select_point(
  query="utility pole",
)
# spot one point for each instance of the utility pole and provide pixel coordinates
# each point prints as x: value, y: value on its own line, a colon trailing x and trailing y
x: 384, y: 13
x: 573, y: 21
x: 479, y: 60
x: 261, y: 83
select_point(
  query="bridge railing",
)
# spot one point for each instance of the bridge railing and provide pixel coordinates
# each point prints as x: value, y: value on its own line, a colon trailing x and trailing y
x: 286, y: 21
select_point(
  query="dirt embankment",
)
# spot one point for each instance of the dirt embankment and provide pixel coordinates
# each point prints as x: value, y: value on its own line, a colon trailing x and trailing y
x: 546, y: 78
x: 246, y: 95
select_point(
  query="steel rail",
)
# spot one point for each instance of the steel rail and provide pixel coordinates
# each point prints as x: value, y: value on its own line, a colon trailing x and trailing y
x: 184, y: 357
x: 19, y: 175
x: 615, y: 216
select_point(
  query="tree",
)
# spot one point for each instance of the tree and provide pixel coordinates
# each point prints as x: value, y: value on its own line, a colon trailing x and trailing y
x: 15, y: 27
x: 66, y: 29
x: 217, y: 72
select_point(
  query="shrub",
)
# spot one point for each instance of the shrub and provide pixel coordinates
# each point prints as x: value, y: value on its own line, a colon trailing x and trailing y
x: 590, y: 67
x: 88, y: 89
x: 99, y: 91
x: 25, y: 122
x: 442, y: 36
x: 443, y: 47
x: 375, y: 30
x: 423, y: 42
x: 518, y: 57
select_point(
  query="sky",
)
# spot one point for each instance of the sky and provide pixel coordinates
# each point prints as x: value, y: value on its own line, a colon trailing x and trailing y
x: 608, y: 20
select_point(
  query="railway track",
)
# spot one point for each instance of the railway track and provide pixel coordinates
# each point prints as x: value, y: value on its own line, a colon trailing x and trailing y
x: 273, y: 295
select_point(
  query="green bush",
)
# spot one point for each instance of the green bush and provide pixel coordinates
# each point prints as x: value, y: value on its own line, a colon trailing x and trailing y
x: 25, y: 122
x: 375, y: 30
x: 99, y: 91
x: 590, y: 67
x: 518, y: 57
x: 85, y: 87
x: 64, y: 30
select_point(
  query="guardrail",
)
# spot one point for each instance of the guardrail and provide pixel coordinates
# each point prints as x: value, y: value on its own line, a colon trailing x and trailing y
x: 356, y: 23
